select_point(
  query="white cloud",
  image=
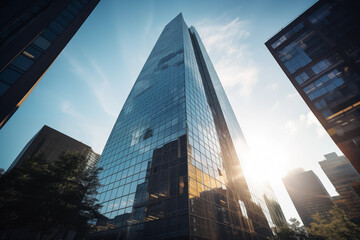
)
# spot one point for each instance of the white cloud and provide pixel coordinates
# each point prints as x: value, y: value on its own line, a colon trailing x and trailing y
x: 67, y: 108
x: 97, y: 81
x: 273, y: 86
x: 85, y: 129
x: 308, y: 120
x: 312, y: 120
x: 275, y: 106
x: 228, y: 49
x: 292, y: 95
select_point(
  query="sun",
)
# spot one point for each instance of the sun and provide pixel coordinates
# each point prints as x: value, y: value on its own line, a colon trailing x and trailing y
x: 265, y: 160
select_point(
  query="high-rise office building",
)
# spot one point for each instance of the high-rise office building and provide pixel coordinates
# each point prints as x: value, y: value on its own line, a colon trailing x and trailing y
x: 343, y: 176
x: 308, y: 195
x: 171, y: 166
x: 320, y: 53
x: 32, y: 35
x: 51, y: 144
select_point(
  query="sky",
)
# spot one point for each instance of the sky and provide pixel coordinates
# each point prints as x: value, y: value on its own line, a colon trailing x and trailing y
x: 84, y: 90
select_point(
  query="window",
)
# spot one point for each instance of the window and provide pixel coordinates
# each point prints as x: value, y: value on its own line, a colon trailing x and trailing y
x: 49, y: 35
x: 287, y: 35
x: 320, y: 14
x: 42, y: 43
x: 302, y: 51
x: 3, y: 88
x: 9, y: 76
x: 57, y: 27
x: 324, y: 64
x: 61, y: 20
x: 301, y: 78
x: 22, y: 62
x: 67, y: 15
x: 243, y: 208
x: 33, y: 51
x: 74, y: 11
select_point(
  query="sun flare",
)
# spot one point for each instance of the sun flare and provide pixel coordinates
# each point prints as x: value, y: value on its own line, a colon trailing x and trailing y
x: 265, y: 160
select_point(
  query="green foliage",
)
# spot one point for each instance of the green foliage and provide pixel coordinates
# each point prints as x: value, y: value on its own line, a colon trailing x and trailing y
x: 339, y: 227
x: 42, y: 196
x: 293, y: 231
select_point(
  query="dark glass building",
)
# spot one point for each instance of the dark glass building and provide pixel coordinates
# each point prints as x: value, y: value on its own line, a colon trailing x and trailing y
x: 308, y: 195
x: 32, y: 35
x: 343, y: 176
x: 320, y: 53
x: 51, y: 144
x: 172, y: 161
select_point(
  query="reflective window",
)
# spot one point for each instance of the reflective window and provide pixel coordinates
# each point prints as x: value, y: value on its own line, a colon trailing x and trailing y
x: 67, y: 16
x: 62, y: 20
x: 57, y: 27
x: 73, y: 10
x: 34, y: 51
x: 340, y: 84
x: 302, y: 51
x: 49, y: 35
x: 302, y: 77
x: 41, y: 42
x: 287, y: 35
x: 22, y: 62
x: 9, y: 76
x: 3, y: 88
x: 320, y: 14
x: 324, y: 64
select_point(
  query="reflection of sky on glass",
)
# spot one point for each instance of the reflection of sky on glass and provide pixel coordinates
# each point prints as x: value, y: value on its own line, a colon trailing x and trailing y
x: 84, y: 90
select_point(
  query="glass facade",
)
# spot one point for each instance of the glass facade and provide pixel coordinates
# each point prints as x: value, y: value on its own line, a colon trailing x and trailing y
x: 171, y: 170
x: 38, y: 46
x: 32, y: 35
x: 343, y: 175
x: 308, y: 195
x: 321, y: 56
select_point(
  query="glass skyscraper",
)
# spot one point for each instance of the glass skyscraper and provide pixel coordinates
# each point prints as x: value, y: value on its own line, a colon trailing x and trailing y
x: 172, y: 161
x: 308, y: 195
x: 343, y: 176
x: 320, y: 53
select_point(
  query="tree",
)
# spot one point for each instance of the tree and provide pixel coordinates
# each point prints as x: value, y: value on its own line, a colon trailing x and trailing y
x: 47, y: 197
x: 293, y: 231
x: 339, y: 227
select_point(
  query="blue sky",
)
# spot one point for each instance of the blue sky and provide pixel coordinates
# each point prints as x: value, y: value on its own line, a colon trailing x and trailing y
x: 85, y: 88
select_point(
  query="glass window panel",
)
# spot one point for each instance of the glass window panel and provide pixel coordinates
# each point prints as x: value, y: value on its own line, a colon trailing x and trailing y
x: 22, y: 62
x: 74, y: 11
x: 67, y: 15
x: 3, y: 88
x: 78, y: 4
x: 49, y: 35
x: 61, y: 20
x: 57, y: 27
x: 42, y: 42
x: 9, y: 76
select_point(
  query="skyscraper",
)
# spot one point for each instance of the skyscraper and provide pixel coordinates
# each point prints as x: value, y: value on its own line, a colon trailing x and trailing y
x: 320, y: 53
x: 343, y: 176
x: 308, y: 195
x: 32, y: 35
x: 51, y: 144
x: 171, y: 166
